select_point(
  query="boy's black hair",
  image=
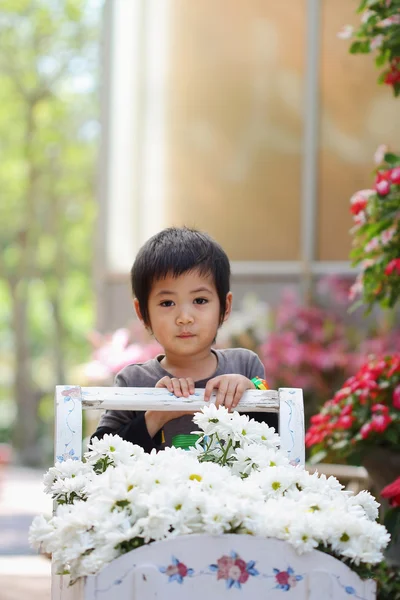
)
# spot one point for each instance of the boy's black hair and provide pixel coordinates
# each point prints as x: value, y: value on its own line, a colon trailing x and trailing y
x: 175, y: 251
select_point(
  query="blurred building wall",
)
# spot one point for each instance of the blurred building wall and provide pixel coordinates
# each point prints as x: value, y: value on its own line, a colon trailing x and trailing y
x: 248, y: 119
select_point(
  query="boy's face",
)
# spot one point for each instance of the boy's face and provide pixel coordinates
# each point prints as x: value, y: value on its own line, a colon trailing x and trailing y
x: 185, y: 312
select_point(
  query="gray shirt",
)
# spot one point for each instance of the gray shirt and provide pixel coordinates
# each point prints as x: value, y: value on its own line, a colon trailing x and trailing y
x: 132, y: 426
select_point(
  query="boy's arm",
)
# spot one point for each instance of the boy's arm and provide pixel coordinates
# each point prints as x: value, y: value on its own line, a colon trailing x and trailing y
x: 130, y: 425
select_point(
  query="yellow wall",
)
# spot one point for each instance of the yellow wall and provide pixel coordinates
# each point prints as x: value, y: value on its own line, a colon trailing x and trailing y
x: 235, y: 113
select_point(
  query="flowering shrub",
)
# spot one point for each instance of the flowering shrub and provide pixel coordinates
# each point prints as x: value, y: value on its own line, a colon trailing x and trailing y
x: 234, y: 481
x: 379, y: 31
x: 376, y: 231
x: 365, y: 412
x: 314, y: 348
x: 114, y: 351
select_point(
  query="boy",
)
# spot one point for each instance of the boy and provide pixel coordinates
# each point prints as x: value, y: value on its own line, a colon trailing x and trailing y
x: 180, y: 282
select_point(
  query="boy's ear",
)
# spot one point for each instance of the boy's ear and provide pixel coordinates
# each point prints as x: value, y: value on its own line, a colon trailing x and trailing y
x: 137, y: 309
x: 228, y: 305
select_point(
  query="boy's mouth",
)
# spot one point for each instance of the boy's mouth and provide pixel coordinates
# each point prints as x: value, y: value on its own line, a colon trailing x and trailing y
x: 186, y: 335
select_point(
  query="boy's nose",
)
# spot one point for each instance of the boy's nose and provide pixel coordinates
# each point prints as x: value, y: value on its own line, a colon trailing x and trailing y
x: 184, y: 317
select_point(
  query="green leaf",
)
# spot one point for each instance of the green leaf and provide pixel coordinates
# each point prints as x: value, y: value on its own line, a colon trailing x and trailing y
x: 360, y: 47
x: 340, y: 444
x: 392, y: 159
x: 318, y: 457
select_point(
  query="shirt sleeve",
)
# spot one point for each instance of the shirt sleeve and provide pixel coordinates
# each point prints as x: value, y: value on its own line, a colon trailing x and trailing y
x: 128, y: 424
x: 256, y: 368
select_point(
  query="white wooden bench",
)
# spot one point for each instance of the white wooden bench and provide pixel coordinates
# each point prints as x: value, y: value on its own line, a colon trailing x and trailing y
x: 189, y: 566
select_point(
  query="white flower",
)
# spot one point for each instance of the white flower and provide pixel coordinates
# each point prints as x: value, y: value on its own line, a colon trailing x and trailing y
x: 346, y: 32
x: 173, y: 492
x: 375, y: 43
x: 367, y: 502
x: 117, y: 450
x: 392, y: 20
x: 65, y: 470
x: 388, y: 234
x: 40, y: 532
x: 212, y: 420
x: 366, y: 16
x: 68, y: 489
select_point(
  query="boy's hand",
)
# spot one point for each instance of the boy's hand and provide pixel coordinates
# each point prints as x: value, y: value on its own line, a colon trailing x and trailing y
x: 156, y: 419
x: 178, y: 387
x: 230, y: 389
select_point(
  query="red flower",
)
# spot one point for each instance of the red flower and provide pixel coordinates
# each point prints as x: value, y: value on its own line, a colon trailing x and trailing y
x: 396, y: 397
x: 345, y: 422
x: 358, y: 206
x: 365, y: 430
x: 319, y: 419
x: 380, y: 423
x: 380, y: 408
x: 392, y: 492
x: 395, y: 175
x: 392, y: 266
x: 393, y: 76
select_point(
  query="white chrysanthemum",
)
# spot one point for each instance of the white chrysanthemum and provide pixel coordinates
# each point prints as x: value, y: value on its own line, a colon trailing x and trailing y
x: 118, y: 451
x: 67, y: 490
x: 212, y: 420
x: 40, y: 532
x: 65, y: 470
x: 367, y: 502
x: 217, y: 487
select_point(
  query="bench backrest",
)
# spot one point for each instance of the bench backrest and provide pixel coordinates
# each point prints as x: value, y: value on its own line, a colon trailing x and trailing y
x: 71, y: 400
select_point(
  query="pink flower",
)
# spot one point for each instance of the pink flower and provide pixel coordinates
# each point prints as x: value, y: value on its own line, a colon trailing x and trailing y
x: 388, y: 234
x: 367, y: 14
x: 376, y: 42
x: 396, y: 397
x: 346, y: 32
x: 382, y: 187
x: 380, y: 154
x: 395, y: 175
x: 372, y: 244
x: 355, y: 289
x: 365, y: 430
x: 379, y: 408
x: 392, y: 20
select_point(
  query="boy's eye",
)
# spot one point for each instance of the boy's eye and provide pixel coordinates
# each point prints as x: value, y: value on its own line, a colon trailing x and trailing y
x: 166, y: 303
x: 200, y: 301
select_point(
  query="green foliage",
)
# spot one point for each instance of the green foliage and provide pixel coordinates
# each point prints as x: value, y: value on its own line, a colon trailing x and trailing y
x: 48, y: 128
x: 379, y: 31
x: 388, y: 581
x: 376, y: 238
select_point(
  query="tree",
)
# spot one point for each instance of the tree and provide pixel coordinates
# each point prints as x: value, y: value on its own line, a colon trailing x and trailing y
x: 48, y: 132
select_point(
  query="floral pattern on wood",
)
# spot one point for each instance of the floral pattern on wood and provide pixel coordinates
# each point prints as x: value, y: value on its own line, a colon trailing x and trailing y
x: 285, y: 580
x: 234, y: 570
x: 177, y: 571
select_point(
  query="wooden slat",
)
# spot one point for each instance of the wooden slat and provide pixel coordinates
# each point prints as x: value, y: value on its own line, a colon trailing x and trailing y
x: 125, y: 398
